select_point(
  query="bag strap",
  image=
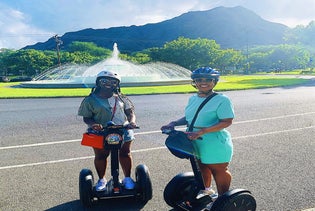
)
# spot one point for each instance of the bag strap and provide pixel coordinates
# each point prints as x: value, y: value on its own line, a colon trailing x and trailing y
x: 191, y: 126
x: 114, y: 109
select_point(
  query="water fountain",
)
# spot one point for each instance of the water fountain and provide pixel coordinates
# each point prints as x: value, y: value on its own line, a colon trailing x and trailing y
x: 80, y: 76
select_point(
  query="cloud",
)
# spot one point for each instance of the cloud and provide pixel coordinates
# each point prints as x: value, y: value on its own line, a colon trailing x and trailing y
x: 37, y: 20
x: 288, y: 12
x: 16, y: 31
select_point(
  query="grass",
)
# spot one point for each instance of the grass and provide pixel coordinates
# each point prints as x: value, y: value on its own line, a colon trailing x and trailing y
x: 12, y: 90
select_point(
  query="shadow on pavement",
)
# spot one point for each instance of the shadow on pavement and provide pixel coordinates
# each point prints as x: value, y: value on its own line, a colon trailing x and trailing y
x: 126, y: 204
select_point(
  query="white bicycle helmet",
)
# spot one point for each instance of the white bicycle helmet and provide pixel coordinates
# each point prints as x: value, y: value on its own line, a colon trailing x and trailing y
x: 108, y: 74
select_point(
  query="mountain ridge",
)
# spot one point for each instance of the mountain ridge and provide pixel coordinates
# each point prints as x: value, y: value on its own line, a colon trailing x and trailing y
x: 231, y: 27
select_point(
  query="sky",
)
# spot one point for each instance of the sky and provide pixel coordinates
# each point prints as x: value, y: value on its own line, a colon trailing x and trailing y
x: 26, y: 22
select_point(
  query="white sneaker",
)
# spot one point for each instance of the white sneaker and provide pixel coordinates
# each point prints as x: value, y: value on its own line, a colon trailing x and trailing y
x: 100, y: 185
x: 203, y: 193
x: 208, y: 207
x: 128, y: 183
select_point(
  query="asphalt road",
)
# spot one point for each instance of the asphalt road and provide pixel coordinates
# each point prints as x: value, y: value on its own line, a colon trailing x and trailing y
x: 274, y: 129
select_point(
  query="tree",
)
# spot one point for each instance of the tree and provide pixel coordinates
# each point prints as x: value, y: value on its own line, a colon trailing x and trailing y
x: 279, y: 58
x: 90, y: 48
x: 187, y: 53
x: 303, y: 35
x: 27, y: 62
x: 4, y: 55
x: 228, y: 58
x: 138, y: 57
x: 78, y: 57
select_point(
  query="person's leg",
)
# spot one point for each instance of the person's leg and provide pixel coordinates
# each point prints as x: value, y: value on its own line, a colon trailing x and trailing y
x: 100, y: 161
x: 126, y: 164
x: 222, y: 176
x: 206, y: 174
x: 206, y: 177
x: 125, y: 158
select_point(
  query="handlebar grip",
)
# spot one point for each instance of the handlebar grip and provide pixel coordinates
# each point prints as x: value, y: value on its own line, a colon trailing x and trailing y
x: 166, y: 131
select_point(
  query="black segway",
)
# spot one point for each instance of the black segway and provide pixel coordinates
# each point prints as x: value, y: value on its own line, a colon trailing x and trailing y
x: 181, y: 192
x: 112, y: 140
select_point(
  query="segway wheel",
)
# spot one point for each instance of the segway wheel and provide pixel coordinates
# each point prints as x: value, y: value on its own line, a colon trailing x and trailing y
x: 179, y: 189
x: 144, y: 190
x: 86, y: 183
x: 235, y: 200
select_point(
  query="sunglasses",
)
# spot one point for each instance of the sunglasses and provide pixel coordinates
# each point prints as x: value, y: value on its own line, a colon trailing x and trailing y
x: 107, y: 80
x: 207, y: 80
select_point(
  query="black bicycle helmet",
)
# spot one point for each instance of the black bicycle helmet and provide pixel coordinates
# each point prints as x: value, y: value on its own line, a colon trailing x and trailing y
x: 205, y: 72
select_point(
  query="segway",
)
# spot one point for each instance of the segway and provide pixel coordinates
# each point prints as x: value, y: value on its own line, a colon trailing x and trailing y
x: 111, y: 137
x: 181, y: 192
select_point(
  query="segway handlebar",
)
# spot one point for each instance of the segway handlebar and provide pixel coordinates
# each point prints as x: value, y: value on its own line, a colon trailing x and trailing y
x: 170, y: 131
x: 111, y: 126
x: 167, y: 131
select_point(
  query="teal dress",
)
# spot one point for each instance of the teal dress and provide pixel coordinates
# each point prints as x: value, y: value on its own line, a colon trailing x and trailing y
x: 215, y: 147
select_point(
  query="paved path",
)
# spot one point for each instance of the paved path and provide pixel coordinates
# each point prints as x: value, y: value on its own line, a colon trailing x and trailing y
x: 274, y: 129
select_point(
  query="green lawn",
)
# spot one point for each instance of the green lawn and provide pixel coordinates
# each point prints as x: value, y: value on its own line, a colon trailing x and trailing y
x: 12, y: 90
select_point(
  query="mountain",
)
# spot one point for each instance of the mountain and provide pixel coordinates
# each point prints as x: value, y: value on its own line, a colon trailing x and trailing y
x: 231, y: 27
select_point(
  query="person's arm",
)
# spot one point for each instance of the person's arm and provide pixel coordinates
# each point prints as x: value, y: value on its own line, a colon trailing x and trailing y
x: 171, y: 125
x: 131, y: 117
x: 92, y: 124
x: 223, y: 123
x: 181, y: 121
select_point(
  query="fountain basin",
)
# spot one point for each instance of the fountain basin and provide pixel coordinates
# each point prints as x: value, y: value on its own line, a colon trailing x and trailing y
x: 82, y: 76
x: 69, y: 84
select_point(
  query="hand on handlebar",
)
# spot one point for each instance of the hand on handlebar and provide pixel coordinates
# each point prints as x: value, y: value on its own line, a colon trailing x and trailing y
x: 132, y: 125
x: 168, y: 127
x: 97, y: 127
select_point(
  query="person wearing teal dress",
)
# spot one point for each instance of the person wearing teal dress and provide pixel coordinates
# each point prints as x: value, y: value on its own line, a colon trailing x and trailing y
x: 212, y: 142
